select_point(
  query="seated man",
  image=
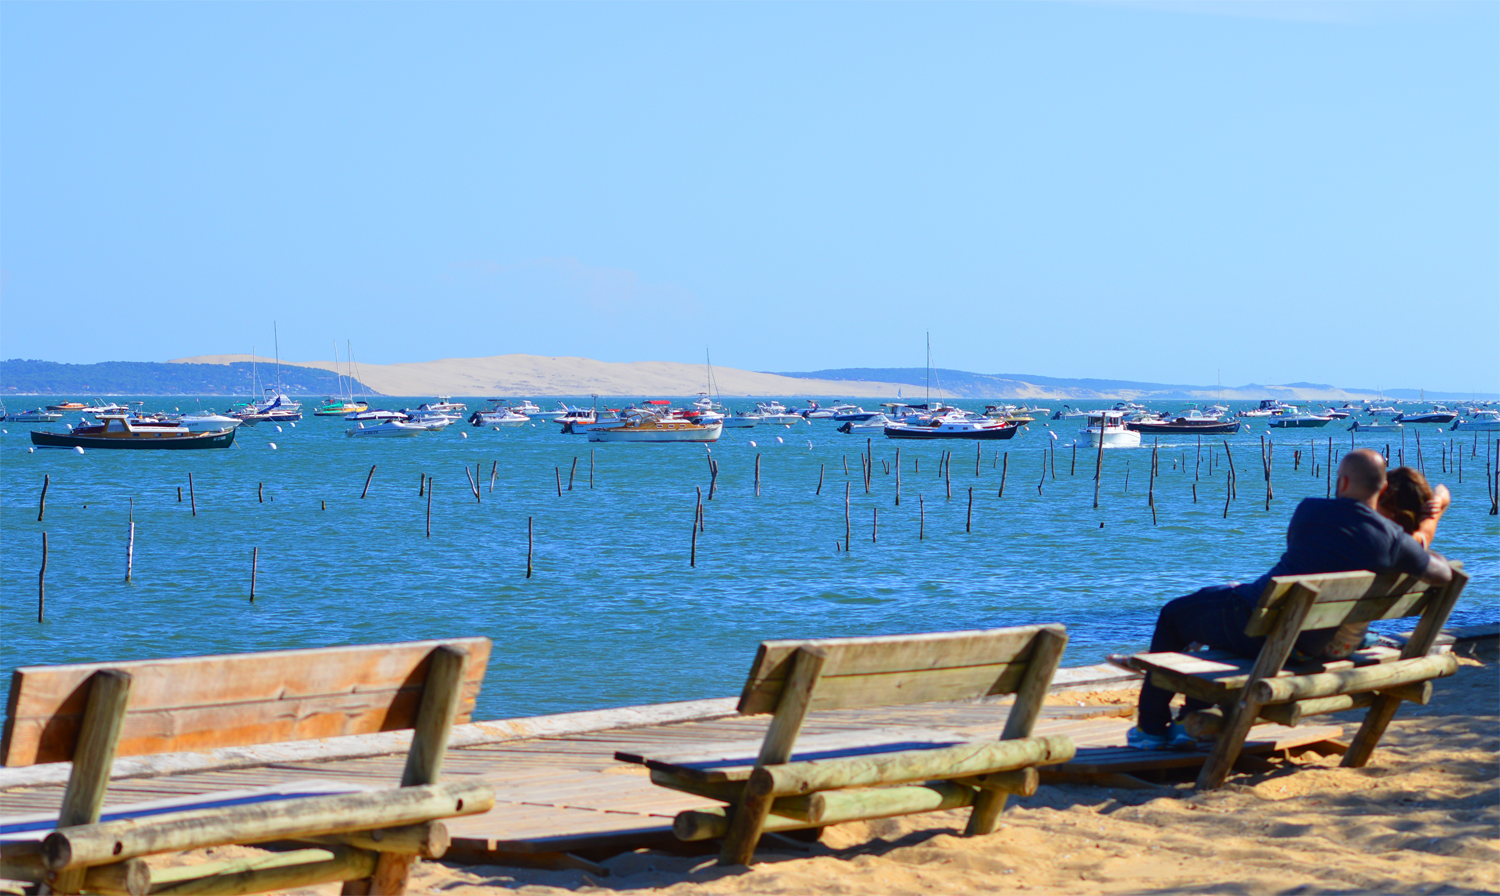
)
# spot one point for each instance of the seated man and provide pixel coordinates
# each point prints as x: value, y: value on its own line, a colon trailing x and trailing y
x: 1325, y: 535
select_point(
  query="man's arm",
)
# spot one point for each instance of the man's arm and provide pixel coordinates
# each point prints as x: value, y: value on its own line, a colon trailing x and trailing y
x: 1438, y: 571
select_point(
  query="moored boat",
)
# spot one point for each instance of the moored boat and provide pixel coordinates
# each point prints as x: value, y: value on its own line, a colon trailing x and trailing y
x: 953, y: 425
x: 115, y: 431
x: 1361, y: 426
x: 1481, y: 420
x: 1108, y: 428
x: 657, y: 428
x: 36, y: 415
x: 396, y: 428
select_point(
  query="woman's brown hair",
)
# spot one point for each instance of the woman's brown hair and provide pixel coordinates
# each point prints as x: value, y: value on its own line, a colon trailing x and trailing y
x: 1405, y: 498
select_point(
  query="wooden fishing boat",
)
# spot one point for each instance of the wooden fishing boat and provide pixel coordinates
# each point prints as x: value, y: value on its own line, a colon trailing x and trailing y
x: 953, y: 425
x: 115, y: 431
x: 657, y: 428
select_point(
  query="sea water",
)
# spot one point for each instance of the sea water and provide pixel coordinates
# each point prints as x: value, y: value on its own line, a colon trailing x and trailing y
x: 613, y: 613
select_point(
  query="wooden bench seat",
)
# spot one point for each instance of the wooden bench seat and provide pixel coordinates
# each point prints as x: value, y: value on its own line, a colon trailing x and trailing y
x: 367, y: 837
x: 782, y: 783
x: 1268, y: 688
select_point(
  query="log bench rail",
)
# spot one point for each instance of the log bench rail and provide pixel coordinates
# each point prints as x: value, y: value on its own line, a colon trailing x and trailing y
x: 1379, y: 678
x: 365, y: 837
x: 779, y: 784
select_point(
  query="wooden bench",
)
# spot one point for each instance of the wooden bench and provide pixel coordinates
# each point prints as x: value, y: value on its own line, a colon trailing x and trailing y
x: 90, y: 714
x: 1267, y: 688
x: 828, y: 780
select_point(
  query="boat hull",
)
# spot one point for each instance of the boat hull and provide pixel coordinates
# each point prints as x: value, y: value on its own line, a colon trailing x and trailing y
x: 154, y: 442
x: 1216, y: 428
x: 1477, y: 425
x: 1300, y: 422
x: 900, y: 431
x: 1115, y: 438
x: 698, y: 434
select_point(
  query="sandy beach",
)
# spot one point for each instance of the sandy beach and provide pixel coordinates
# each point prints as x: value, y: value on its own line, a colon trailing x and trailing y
x: 1423, y: 818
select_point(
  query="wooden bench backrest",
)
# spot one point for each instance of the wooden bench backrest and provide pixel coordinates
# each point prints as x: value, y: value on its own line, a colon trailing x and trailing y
x: 898, y: 670
x: 203, y: 703
x: 1347, y: 597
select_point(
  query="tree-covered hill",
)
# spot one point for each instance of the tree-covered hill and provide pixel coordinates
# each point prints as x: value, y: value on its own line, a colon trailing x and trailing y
x: 28, y: 377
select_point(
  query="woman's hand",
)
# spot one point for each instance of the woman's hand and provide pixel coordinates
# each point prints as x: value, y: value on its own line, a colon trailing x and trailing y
x: 1439, y: 503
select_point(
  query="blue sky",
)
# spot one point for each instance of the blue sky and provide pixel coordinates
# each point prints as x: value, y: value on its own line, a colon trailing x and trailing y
x: 1270, y: 192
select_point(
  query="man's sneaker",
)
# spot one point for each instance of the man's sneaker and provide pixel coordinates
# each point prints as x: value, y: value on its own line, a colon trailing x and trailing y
x: 1176, y: 739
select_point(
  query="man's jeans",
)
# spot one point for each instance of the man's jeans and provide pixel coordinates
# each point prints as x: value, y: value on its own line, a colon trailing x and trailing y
x: 1214, y: 616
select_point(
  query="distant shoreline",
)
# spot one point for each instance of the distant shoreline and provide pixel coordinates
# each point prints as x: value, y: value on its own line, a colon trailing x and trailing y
x: 538, y: 376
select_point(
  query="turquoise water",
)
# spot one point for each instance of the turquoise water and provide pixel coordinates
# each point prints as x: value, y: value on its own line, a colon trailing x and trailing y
x: 613, y: 614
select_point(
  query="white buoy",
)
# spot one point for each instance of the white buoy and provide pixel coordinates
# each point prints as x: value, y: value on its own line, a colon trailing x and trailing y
x: 463, y: 435
x: 271, y: 445
x: 779, y: 441
x: 1053, y: 435
x: 495, y: 428
x: 278, y: 429
x: 69, y: 426
x: 6, y: 431
x: 78, y: 448
x: 31, y: 450
x: 292, y: 425
x: 809, y: 444
x: 752, y: 443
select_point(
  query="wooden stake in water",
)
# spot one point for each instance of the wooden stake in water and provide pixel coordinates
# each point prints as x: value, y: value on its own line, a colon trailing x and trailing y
x: 898, y: 475
x: 193, y: 495
x: 421, y: 484
x: 693, y: 549
x: 1151, y: 484
x: 591, y: 469
x: 757, y: 475
x: 495, y: 471
x: 978, y: 448
x: 260, y: 492
x: 1099, y: 466
x: 573, y: 472
x: 254, y: 567
x: 1328, y: 470
x: 1198, y: 458
x: 1039, y: 482
x: 847, y: 544
x: 1073, y: 467
x: 969, y: 520
x: 948, y: 473
x: 557, y: 472
x: 1421, y: 468
x: 130, y: 553
x: 473, y: 486
x: 361, y: 494
x: 41, y: 584
x: 699, y: 490
x: 1004, y: 471
x: 1228, y: 489
x: 179, y: 494
x: 819, y: 490
x: 528, y: 547
x: 1053, y: 450
x: 1232, y: 476
x: 41, y: 508
x: 921, y: 518
x: 429, y: 506
x: 713, y: 478
x: 874, y: 524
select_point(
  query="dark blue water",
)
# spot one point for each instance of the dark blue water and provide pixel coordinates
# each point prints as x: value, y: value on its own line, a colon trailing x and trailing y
x: 614, y: 614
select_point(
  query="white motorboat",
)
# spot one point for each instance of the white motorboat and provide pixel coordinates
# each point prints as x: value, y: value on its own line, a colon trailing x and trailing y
x: 1481, y: 420
x: 389, y: 428
x: 1296, y: 418
x: 1361, y: 426
x: 532, y: 412
x: 374, y: 416
x: 1436, y: 415
x: 497, y: 414
x: 206, y: 421
x: 742, y: 421
x: 1109, y: 428
x: 657, y: 428
x: 874, y: 424
x: 37, y: 415
x: 775, y: 412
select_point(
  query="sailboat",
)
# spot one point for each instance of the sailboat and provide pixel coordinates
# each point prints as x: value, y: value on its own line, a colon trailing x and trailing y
x: 276, y: 406
x: 345, y: 402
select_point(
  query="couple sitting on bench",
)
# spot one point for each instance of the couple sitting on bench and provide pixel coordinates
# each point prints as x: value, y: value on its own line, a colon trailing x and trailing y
x: 1376, y: 523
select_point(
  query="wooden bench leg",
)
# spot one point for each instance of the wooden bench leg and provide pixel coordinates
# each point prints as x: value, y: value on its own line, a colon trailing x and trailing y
x: 1227, y: 747
x: 1363, y: 746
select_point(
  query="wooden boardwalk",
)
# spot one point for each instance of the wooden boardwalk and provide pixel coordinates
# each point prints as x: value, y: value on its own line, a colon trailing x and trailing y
x: 568, y: 794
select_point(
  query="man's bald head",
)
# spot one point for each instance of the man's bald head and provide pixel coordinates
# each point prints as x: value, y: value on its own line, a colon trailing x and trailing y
x: 1361, y: 475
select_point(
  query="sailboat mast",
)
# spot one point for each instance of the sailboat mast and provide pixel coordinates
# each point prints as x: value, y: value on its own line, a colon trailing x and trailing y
x: 277, y: 336
x: 929, y: 370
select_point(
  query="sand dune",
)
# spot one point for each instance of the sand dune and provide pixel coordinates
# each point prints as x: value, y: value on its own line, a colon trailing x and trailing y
x: 523, y: 375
